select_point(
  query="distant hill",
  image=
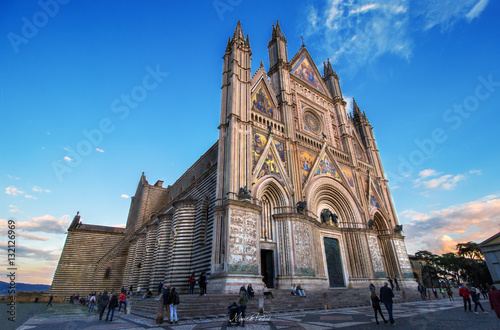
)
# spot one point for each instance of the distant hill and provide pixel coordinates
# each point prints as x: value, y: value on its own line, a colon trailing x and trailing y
x: 4, y: 287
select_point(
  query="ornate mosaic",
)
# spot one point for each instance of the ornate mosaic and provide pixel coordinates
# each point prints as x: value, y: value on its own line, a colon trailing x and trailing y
x: 261, y: 101
x: 374, y: 202
x: 326, y: 167
x: 269, y: 168
x: 305, y: 71
x: 348, y: 175
x: 259, y: 143
x: 280, y: 147
x: 306, y: 163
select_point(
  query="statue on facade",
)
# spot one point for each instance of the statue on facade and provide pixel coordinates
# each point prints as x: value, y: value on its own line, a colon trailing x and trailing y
x: 301, y: 207
x: 335, y: 219
x: 76, y: 221
x: 398, y: 229
x: 371, y: 224
x: 244, y: 193
x: 326, y: 215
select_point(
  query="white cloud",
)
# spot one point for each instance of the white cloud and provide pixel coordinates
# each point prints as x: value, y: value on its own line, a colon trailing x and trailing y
x: 13, y: 191
x: 446, y: 13
x: 438, y: 231
x: 30, y: 197
x: 46, y: 224
x: 477, y: 10
x: 99, y: 150
x: 478, y: 172
x: 125, y: 196
x: 427, y: 173
x: 353, y: 33
x: 12, y: 177
x: 446, y: 182
x: 38, y: 189
x: 66, y: 158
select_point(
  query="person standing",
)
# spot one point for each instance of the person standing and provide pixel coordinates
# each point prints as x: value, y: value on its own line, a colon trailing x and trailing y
x: 173, y: 301
x: 243, y: 306
x: 391, y: 284
x: 192, y: 282
x: 113, y: 303
x: 166, y: 294
x: 50, y: 300
x: 250, y: 291
x: 494, y: 296
x: 386, y: 295
x: 397, y: 284
x: 442, y: 293
x: 464, y: 292
x: 421, y: 290
x: 160, y: 286
x: 103, y: 303
x: 123, y: 301
x: 92, y: 303
x: 475, y: 298
x: 376, y: 306
x: 202, y: 281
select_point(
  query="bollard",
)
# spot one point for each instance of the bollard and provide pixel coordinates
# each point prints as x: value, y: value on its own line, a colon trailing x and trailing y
x: 129, y: 306
x: 261, y: 305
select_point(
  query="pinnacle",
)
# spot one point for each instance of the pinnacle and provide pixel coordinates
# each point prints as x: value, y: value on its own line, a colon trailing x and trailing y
x: 238, y: 32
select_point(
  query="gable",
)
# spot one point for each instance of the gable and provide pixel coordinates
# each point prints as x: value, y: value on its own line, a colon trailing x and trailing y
x: 326, y: 167
x: 259, y: 142
x: 262, y: 101
x: 307, y: 160
x: 308, y: 73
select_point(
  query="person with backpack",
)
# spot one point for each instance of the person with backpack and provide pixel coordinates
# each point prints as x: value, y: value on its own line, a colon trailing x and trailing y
x: 243, y: 306
x: 92, y: 301
x: 475, y: 298
x: 173, y: 301
x: 103, y: 303
x: 113, y: 303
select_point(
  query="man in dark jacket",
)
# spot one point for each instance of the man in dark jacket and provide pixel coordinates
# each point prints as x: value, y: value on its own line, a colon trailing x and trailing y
x: 386, y: 295
x: 102, y: 304
x: 166, y: 293
x: 113, y: 303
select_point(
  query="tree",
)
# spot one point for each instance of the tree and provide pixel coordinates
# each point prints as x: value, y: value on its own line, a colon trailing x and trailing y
x: 469, y: 250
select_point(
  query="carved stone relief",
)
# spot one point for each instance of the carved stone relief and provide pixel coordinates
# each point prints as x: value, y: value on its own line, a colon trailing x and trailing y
x: 243, y: 240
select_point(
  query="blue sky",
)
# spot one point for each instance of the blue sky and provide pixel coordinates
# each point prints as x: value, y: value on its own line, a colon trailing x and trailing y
x: 92, y: 95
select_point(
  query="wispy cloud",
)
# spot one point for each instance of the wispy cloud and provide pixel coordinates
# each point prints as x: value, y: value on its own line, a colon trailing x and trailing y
x: 125, y: 196
x: 446, y: 13
x: 441, y: 182
x: 13, y: 177
x: 357, y: 32
x: 38, y: 189
x: 99, y: 150
x: 45, y: 224
x: 66, y: 158
x: 13, y: 191
x: 439, y: 231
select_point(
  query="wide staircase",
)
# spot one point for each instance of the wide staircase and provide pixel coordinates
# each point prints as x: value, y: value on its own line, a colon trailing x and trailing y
x: 215, y: 305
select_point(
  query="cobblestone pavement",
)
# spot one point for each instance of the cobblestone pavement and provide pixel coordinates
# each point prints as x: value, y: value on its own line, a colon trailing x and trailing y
x: 415, y: 315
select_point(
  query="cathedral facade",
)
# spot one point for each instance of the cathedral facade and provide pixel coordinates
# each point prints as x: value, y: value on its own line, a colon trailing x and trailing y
x: 293, y: 191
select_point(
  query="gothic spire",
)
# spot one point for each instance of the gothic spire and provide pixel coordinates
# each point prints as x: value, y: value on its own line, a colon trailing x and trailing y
x: 238, y: 32
x: 277, y: 32
x: 328, y: 70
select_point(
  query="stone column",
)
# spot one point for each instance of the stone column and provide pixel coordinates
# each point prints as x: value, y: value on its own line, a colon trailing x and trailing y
x: 179, y: 267
x: 139, y: 260
x: 129, y: 266
x: 160, y: 264
x: 147, y: 264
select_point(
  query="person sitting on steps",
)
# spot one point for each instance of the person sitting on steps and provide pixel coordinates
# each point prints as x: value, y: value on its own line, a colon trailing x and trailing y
x: 267, y: 292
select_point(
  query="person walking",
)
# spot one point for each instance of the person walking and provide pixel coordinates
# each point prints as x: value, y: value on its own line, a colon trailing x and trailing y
x: 123, y: 301
x: 173, y: 301
x: 494, y: 296
x: 450, y: 294
x: 386, y: 295
x: 243, y: 306
x: 391, y: 284
x: 192, y: 282
x: 92, y: 301
x: 113, y: 303
x: 50, y: 300
x: 464, y: 292
x: 202, y: 282
x: 166, y: 294
x: 396, y: 283
x: 475, y: 298
x: 434, y: 291
x: 442, y: 293
x: 103, y: 303
x: 421, y: 290
x: 376, y: 306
